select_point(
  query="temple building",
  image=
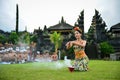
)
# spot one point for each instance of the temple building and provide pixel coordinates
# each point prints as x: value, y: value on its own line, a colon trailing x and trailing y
x: 97, y: 31
x: 62, y: 27
x: 44, y: 43
x: 115, y: 37
x: 115, y: 29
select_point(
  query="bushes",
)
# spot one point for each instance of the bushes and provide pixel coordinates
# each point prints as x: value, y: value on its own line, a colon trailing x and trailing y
x: 106, y: 48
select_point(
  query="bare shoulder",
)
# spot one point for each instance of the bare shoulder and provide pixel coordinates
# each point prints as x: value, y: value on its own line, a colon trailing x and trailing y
x: 84, y: 41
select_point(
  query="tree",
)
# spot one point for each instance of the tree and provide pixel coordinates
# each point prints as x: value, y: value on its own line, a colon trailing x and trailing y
x: 24, y: 38
x: 2, y: 38
x: 57, y: 39
x: 33, y: 38
x: 106, y: 48
x: 13, y: 37
x: 27, y: 38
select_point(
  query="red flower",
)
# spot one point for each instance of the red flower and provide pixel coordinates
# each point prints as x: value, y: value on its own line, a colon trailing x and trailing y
x: 76, y: 28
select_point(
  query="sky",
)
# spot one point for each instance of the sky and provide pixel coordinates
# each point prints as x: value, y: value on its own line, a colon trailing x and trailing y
x: 37, y: 13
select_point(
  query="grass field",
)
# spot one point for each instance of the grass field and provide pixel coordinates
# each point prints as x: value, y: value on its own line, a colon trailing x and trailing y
x: 98, y: 70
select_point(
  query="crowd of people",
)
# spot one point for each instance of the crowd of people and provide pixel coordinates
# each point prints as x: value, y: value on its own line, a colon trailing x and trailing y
x: 16, y: 56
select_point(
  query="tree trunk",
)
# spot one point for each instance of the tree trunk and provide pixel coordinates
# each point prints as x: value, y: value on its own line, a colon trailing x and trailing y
x: 56, y: 50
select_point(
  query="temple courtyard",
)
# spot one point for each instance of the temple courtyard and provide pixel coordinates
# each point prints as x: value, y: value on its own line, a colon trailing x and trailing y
x: 58, y: 70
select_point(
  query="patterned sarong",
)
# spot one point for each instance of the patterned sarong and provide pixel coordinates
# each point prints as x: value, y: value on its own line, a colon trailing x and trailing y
x: 81, y: 64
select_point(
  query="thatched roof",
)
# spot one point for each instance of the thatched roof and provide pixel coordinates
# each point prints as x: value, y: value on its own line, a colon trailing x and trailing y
x: 61, y: 26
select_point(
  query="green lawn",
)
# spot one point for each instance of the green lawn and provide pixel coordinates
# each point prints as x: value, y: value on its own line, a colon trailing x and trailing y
x: 98, y: 70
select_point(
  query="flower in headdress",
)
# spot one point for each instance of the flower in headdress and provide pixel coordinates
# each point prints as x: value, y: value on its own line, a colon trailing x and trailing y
x: 77, y: 29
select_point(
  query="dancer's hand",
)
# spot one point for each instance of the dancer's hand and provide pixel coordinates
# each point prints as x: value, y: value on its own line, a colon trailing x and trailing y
x: 67, y: 45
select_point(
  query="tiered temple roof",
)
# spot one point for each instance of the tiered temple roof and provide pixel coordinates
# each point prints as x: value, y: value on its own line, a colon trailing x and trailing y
x: 61, y: 26
x: 115, y: 28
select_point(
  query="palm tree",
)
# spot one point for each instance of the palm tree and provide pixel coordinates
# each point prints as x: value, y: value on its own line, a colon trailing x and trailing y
x: 57, y: 40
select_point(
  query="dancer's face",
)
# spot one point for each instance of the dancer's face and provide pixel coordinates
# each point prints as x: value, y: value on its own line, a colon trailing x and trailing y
x: 77, y: 35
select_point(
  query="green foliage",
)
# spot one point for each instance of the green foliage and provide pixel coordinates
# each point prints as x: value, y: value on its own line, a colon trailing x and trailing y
x: 2, y: 38
x: 57, y: 39
x: 24, y: 38
x: 13, y: 37
x: 106, y: 48
x: 33, y: 38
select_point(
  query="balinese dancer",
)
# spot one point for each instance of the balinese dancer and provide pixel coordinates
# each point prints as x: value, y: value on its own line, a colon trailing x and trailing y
x: 81, y: 59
